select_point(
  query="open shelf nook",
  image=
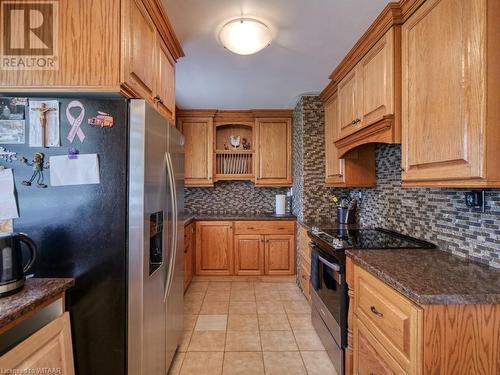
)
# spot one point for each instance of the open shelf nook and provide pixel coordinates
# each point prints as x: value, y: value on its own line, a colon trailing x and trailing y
x: 234, y: 151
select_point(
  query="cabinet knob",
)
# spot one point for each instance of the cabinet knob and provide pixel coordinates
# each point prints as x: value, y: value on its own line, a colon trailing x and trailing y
x: 157, y: 97
x: 353, y: 122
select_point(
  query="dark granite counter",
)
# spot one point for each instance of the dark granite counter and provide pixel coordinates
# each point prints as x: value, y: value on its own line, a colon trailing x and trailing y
x: 327, y: 225
x: 34, y: 294
x: 432, y: 276
x: 237, y: 217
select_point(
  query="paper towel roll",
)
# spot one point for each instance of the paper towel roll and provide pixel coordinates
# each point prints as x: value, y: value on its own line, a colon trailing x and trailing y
x: 280, y: 204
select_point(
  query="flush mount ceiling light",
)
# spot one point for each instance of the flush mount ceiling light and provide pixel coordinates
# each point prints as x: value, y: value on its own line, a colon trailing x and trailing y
x: 245, y: 36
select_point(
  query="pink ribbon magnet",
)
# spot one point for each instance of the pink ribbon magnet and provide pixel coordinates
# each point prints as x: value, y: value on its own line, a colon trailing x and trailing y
x: 75, y: 122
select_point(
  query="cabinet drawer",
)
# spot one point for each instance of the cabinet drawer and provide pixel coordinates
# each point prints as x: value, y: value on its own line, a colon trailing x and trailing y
x: 264, y: 227
x: 393, y: 320
x: 370, y: 357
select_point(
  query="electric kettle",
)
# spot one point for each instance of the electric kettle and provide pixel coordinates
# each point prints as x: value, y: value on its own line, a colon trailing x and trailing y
x: 12, y: 271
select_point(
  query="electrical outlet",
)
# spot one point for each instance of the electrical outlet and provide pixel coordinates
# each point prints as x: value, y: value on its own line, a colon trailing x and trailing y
x: 475, y: 199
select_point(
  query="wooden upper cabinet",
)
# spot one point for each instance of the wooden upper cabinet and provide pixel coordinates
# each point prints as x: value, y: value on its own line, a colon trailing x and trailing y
x: 248, y: 254
x: 88, y: 40
x: 165, y: 82
x: 366, y: 93
x: 139, y: 50
x: 113, y: 46
x: 334, y: 167
x: 451, y: 87
x: 357, y: 168
x: 280, y: 255
x: 214, y: 248
x: 273, y: 159
x: 376, y: 75
x: 198, y: 150
x: 348, y: 103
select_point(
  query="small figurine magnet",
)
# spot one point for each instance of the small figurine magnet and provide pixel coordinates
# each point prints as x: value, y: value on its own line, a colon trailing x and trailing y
x: 103, y: 119
x: 38, y: 165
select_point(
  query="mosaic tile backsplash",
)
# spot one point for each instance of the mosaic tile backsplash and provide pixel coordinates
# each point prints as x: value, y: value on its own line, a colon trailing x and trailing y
x: 311, y: 196
x: 231, y: 197
x: 437, y: 215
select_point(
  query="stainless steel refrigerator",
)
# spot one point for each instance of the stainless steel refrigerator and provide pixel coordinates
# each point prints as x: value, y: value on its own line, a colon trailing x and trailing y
x: 156, y: 235
x: 120, y: 239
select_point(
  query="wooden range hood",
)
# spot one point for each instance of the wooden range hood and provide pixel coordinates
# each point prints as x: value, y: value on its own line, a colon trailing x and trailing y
x: 383, y: 131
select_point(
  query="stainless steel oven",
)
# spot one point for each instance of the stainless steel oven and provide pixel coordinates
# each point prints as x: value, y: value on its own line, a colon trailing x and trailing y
x: 330, y: 303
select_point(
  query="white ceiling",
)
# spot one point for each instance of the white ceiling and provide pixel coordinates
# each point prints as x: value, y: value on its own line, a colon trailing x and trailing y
x: 310, y: 38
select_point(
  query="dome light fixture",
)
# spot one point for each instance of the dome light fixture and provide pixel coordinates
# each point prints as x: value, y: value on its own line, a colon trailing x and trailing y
x: 245, y: 36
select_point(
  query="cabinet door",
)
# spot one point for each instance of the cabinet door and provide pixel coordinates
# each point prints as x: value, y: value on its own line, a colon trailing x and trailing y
x: 214, y: 248
x: 165, y: 82
x: 198, y: 151
x: 348, y: 91
x: 444, y: 87
x: 273, y: 152
x: 87, y: 57
x: 188, y: 254
x: 280, y: 255
x: 139, y: 50
x: 334, y: 167
x: 369, y: 356
x: 376, y: 75
x: 249, y: 255
x: 357, y: 169
x: 48, y: 348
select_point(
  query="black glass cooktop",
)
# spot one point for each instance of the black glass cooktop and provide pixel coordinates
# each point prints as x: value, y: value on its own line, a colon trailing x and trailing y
x: 368, y: 239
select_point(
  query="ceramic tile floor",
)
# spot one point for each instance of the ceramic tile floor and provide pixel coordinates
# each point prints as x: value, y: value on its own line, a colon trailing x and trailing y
x: 251, y: 327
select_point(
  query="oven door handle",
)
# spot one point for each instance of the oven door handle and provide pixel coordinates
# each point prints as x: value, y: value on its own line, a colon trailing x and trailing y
x: 333, y: 266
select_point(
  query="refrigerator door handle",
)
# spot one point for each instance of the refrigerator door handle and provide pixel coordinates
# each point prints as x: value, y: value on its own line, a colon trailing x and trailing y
x: 173, y: 195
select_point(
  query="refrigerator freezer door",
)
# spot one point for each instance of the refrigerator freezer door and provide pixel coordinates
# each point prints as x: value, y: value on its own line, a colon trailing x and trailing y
x: 175, y: 290
x: 149, y: 209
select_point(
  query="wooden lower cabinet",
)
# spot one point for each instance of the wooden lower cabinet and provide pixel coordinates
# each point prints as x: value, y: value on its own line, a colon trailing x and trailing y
x: 280, y: 255
x: 305, y: 278
x: 305, y: 261
x: 248, y: 254
x: 189, y: 249
x: 389, y: 334
x: 371, y: 357
x: 48, y: 348
x: 250, y: 248
x: 214, y: 248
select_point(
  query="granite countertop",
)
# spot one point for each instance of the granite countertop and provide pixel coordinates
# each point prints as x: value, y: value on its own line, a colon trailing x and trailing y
x: 35, y: 293
x: 432, y: 276
x: 237, y: 217
x: 328, y: 224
